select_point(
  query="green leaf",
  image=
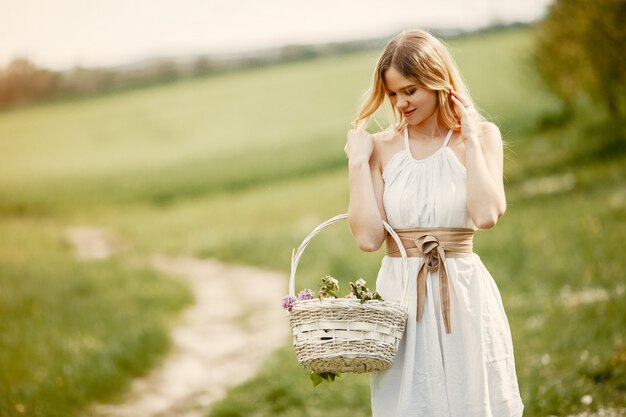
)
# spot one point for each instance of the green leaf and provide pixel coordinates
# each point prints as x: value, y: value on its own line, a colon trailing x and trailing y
x: 319, y: 377
x: 316, y: 379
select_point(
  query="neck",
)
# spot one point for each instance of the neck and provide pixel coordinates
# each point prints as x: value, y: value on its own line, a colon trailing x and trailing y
x: 430, y: 127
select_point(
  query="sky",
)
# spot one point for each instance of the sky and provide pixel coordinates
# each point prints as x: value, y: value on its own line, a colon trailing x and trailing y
x: 60, y: 34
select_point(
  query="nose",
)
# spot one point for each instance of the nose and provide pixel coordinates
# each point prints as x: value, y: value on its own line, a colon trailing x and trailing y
x: 401, y: 103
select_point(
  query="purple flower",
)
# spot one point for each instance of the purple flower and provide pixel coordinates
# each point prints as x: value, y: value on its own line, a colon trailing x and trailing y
x: 306, y: 295
x: 288, y: 301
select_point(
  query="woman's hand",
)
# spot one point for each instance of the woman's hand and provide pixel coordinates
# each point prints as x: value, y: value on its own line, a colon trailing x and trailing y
x: 470, y: 119
x: 359, y: 146
x: 483, y: 162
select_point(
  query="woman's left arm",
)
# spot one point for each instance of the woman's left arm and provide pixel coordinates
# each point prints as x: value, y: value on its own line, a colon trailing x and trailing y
x: 484, y: 158
x: 485, y: 188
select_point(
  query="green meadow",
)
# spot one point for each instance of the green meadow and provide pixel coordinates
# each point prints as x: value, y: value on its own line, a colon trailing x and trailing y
x: 241, y: 167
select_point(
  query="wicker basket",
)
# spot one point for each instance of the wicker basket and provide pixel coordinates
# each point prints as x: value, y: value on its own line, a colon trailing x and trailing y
x: 342, y: 334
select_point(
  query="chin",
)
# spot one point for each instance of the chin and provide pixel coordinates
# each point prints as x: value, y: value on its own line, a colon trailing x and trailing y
x: 418, y: 119
x: 413, y: 121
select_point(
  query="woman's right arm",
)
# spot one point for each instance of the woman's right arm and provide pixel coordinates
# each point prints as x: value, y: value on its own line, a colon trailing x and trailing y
x: 365, y: 211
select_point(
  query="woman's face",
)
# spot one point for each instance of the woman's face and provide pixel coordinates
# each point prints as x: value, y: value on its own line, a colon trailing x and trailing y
x: 418, y: 104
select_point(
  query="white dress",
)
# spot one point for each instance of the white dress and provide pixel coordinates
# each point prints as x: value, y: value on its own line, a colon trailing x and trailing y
x: 471, y: 371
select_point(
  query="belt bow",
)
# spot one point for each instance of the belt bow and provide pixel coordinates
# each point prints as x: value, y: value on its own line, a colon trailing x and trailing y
x: 433, y: 245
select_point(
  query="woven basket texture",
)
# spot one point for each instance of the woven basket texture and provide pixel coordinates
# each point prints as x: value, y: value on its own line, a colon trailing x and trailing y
x: 344, y: 335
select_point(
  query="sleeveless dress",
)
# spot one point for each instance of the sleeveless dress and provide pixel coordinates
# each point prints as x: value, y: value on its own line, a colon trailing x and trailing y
x: 471, y: 371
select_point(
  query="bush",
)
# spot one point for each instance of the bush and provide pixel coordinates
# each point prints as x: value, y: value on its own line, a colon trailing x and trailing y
x: 580, y: 52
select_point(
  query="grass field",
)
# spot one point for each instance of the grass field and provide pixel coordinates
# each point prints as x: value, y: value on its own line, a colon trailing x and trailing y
x: 241, y: 167
x: 65, y: 334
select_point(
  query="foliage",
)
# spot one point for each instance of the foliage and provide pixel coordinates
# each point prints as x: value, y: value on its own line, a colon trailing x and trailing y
x: 319, y: 377
x: 580, y: 51
x: 359, y: 290
x: 22, y: 81
x: 329, y: 287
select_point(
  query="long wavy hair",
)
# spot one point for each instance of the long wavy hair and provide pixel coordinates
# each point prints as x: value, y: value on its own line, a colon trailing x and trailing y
x: 423, y: 59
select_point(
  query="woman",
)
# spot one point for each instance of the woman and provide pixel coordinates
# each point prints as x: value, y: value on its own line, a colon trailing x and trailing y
x: 436, y: 176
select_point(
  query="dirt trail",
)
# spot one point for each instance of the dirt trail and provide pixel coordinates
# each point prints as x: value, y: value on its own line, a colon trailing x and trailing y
x: 219, y: 342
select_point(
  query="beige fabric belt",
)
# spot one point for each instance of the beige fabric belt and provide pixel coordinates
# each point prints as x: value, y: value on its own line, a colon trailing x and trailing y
x: 433, y: 245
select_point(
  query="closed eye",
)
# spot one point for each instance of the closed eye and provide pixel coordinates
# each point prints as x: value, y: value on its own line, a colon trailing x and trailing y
x: 408, y: 92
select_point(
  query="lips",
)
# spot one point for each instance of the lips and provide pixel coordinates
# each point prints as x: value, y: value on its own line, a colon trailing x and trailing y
x: 408, y: 113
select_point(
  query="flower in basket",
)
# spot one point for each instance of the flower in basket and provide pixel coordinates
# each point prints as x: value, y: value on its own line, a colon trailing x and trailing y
x: 360, y: 291
x: 329, y: 287
x: 288, y: 300
x: 306, y: 294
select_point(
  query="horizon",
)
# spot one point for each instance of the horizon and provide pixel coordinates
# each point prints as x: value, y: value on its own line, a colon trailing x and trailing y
x: 70, y: 33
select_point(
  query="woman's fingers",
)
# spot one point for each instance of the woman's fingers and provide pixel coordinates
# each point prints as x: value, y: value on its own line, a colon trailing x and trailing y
x: 468, y: 115
x: 359, y: 144
x: 459, y: 104
x: 460, y: 98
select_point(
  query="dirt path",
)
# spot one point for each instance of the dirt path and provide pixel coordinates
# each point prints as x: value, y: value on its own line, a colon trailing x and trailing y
x: 219, y: 342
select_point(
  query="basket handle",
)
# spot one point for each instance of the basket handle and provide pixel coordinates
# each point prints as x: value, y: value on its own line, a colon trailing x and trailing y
x: 295, y: 258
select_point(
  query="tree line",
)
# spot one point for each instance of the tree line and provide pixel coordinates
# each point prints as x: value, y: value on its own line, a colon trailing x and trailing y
x: 22, y: 81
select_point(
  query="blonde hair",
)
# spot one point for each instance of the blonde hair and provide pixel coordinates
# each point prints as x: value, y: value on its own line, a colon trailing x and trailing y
x: 423, y: 59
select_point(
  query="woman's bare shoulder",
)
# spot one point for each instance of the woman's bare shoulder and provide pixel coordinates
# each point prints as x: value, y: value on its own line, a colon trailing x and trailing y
x: 386, y: 144
x: 489, y: 130
x: 387, y: 138
x: 489, y: 135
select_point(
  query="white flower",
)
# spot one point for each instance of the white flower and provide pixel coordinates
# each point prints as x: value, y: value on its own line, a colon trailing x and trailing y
x: 586, y: 399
